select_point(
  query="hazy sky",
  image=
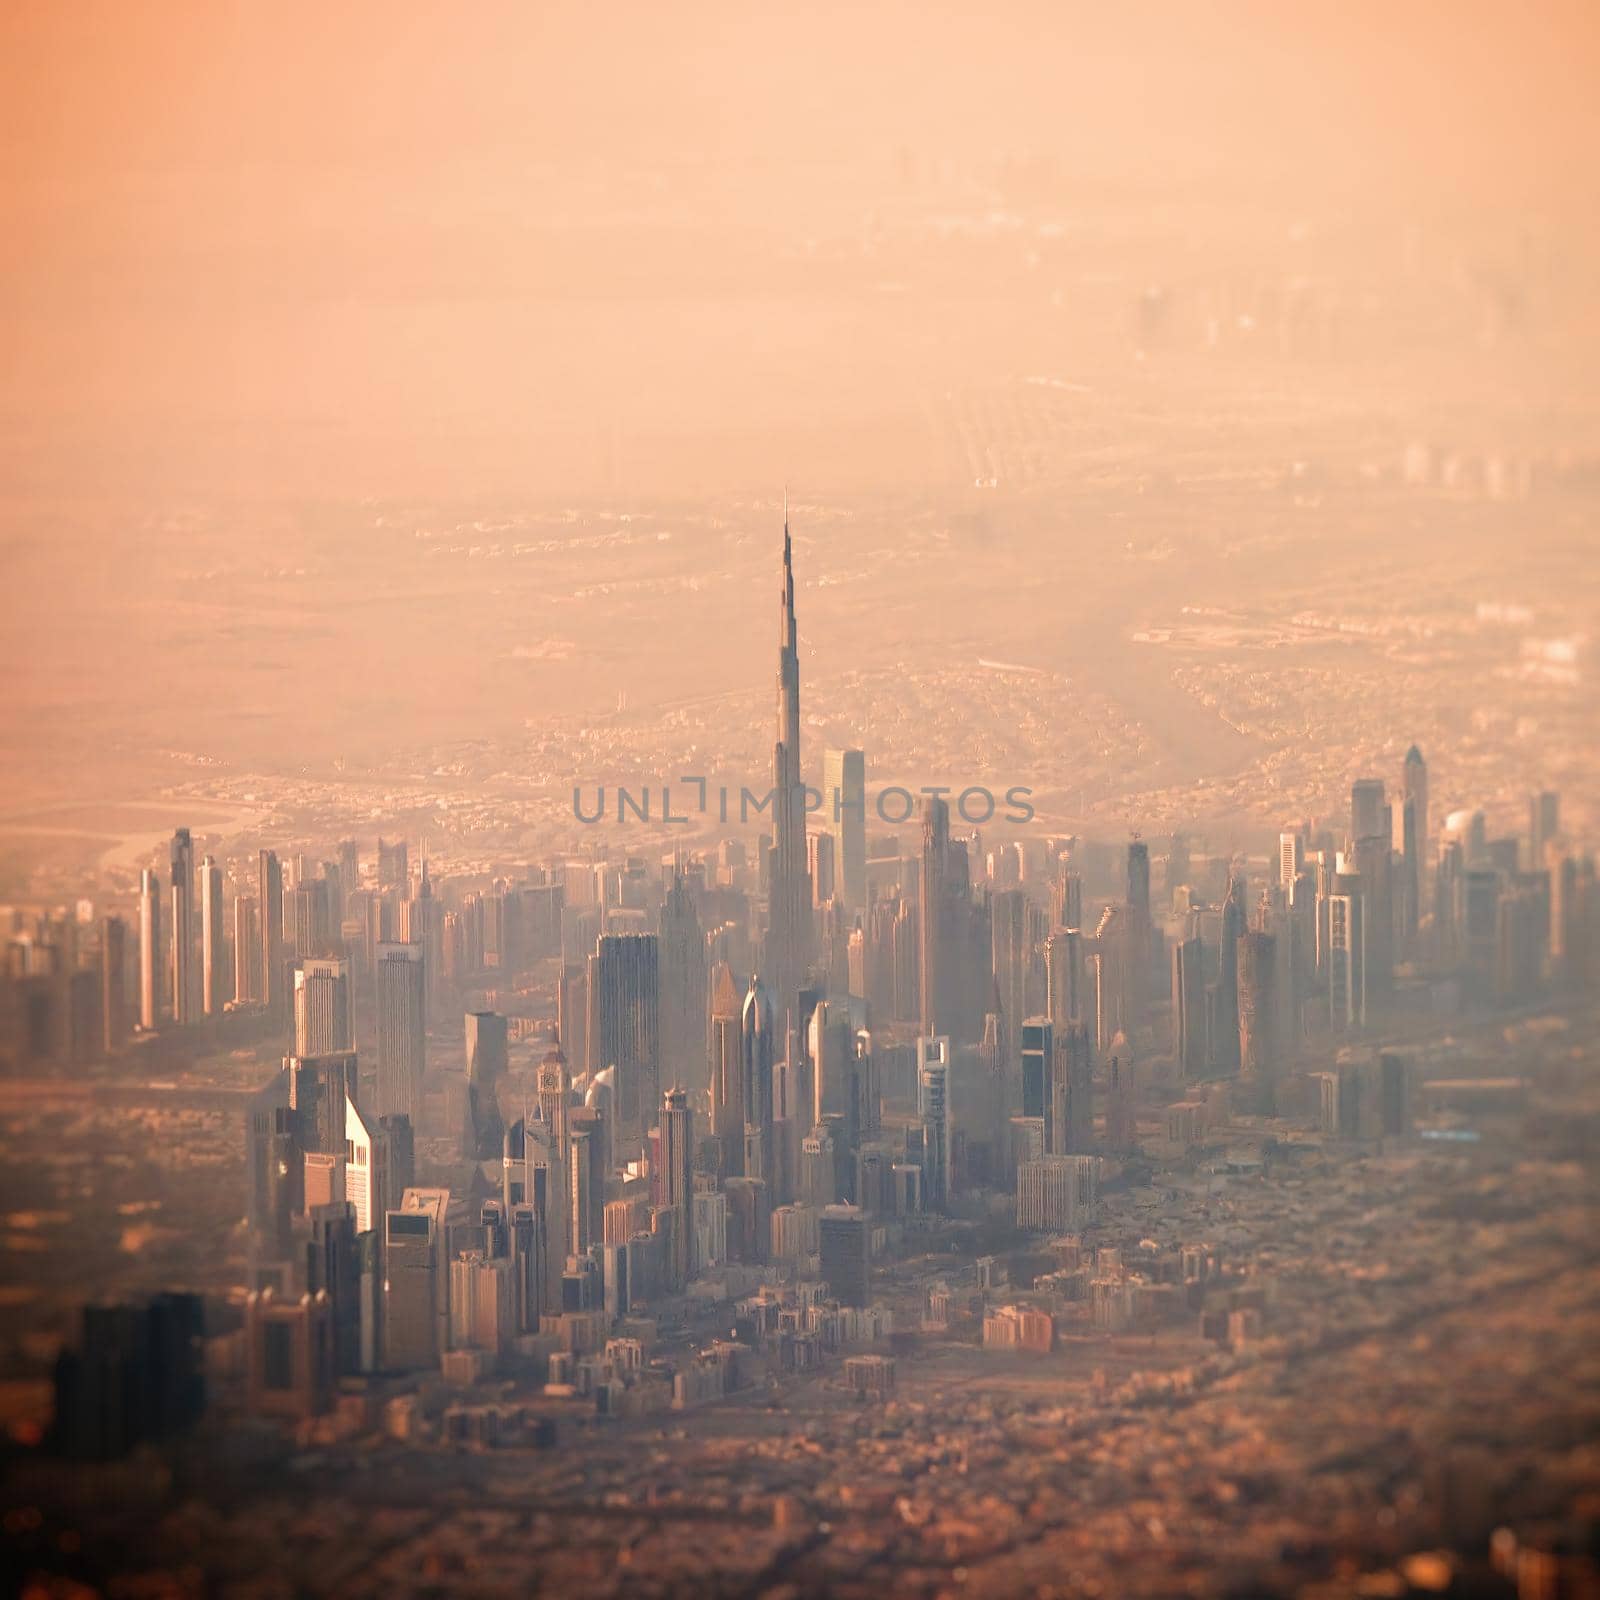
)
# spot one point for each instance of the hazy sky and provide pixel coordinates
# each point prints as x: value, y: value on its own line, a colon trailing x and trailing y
x: 249, y: 244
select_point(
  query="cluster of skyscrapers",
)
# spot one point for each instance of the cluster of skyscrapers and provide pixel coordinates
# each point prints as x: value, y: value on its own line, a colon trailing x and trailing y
x: 763, y: 1059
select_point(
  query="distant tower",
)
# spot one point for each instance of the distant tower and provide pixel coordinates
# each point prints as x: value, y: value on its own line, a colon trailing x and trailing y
x: 1257, y: 1017
x: 683, y: 988
x: 1544, y: 824
x: 149, y: 950
x: 757, y: 1073
x: 1290, y: 855
x: 1347, y: 956
x: 273, y: 990
x: 183, y: 985
x: 349, y: 874
x: 727, y: 1073
x: 322, y: 1008
x: 1188, y: 1006
x: 933, y: 1106
x: 788, y: 948
x: 113, y: 983
x: 1225, y: 995
x: 1011, y: 947
x: 1367, y: 809
x: 844, y: 806
x: 1038, y: 1073
x: 623, y: 1028
x: 247, y: 951
x: 551, y: 1087
x: 213, y: 953
x: 400, y: 980
x: 677, y: 1155
x: 1064, y: 976
x: 1414, y: 790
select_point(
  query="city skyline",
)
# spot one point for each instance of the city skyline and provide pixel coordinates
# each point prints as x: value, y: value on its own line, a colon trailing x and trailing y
x: 1070, y: 1071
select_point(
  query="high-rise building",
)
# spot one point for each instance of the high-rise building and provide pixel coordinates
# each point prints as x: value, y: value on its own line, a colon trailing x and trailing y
x: 1064, y: 976
x: 213, y: 951
x: 416, y: 1288
x: 788, y: 940
x: 756, y: 1030
x: 1072, y: 1092
x: 134, y: 1372
x: 246, y: 949
x: 1414, y: 804
x: 727, y: 1073
x: 1367, y: 809
x: 623, y: 1026
x: 933, y: 1108
x: 1057, y: 1192
x: 1347, y: 962
x: 821, y: 866
x: 488, y: 1058
x: 1011, y: 948
x: 1259, y: 1065
x: 1374, y: 861
x: 322, y: 1007
x: 274, y: 975
x: 1038, y: 1065
x: 682, y: 955
x: 399, y: 982
x: 1189, y: 1006
x: 1544, y: 824
x: 149, y: 950
x: 1291, y: 844
x: 956, y: 980
x: 1224, y: 1028
x: 845, y: 1245
x: 844, y: 805
x: 394, y: 868
x: 677, y: 1157
x: 184, y: 988
x: 349, y: 874
x: 114, y: 984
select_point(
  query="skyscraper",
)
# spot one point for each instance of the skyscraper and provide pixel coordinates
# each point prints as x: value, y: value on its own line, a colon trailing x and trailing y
x: 487, y: 1060
x: 1347, y: 962
x: 1290, y: 848
x: 683, y: 987
x: 1038, y: 1075
x: 349, y: 874
x: 933, y: 1107
x: 1224, y: 1028
x: 274, y: 977
x: 1258, y: 1002
x: 956, y: 982
x: 756, y: 1026
x: 113, y: 983
x: 1188, y: 1006
x: 788, y: 942
x: 844, y: 805
x: 149, y: 950
x: 184, y: 987
x: 246, y: 949
x: 623, y: 1028
x: 1414, y: 792
x: 1367, y: 809
x: 1544, y: 824
x: 727, y: 1073
x: 845, y: 1235
x: 213, y: 952
x: 400, y: 977
x: 322, y: 1008
x: 677, y: 1156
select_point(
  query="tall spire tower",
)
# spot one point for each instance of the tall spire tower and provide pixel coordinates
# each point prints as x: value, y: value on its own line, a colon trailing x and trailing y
x: 789, y: 904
